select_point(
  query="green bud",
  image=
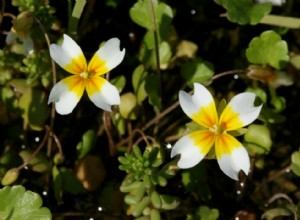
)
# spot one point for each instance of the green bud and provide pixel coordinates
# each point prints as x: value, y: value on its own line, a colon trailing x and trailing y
x: 155, y: 199
x: 155, y: 214
x: 58, y: 158
x: 139, y: 208
x: 23, y: 22
x: 10, y: 177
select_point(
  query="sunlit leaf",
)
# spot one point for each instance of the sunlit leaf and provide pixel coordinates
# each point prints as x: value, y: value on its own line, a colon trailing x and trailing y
x: 269, y: 49
x: 204, y: 213
x: 129, y: 107
x: 258, y: 139
x: 22, y: 204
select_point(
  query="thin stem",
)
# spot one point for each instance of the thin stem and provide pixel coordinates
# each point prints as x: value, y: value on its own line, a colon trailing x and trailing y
x: 52, y: 113
x: 42, y: 144
x: 156, y: 44
x: 231, y: 72
x: 2, y: 11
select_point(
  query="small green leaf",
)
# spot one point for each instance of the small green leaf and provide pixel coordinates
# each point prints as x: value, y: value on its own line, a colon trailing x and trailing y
x: 268, y: 49
x: 10, y: 177
x: 139, y: 208
x: 296, y: 163
x: 258, y: 139
x: 119, y: 82
x: 169, y: 202
x: 153, y: 90
x: 21, y: 204
x: 155, y: 199
x: 196, y: 70
x: 138, y: 83
x: 276, y: 212
x: 246, y: 11
x: 40, y: 163
x: 87, y: 143
x: 259, y: 93
x: 140, y: 13
x: 204, y: 212
x: 35, y: 109
x: 129, y: 108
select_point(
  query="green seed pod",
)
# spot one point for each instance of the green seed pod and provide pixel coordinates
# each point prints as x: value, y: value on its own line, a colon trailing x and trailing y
x: 139, y: 208
x: 155, y: 214
x: 10, y: 177
x: 155, y: 199
x: 130, y: 187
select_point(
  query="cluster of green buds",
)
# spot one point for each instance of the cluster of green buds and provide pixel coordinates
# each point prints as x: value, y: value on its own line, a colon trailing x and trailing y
x: 140, y: 185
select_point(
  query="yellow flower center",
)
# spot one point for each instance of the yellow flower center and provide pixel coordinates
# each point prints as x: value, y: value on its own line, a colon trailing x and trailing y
x: 85, y: 75
x: 218, y: 129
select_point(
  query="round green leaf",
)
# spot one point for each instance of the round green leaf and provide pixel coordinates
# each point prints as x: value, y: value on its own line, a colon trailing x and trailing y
x: 246, y: 11
x: 22, y: 205
x: 269, y: 49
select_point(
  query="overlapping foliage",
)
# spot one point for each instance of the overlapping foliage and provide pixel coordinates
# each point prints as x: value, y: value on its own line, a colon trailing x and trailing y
x: 100, y: 165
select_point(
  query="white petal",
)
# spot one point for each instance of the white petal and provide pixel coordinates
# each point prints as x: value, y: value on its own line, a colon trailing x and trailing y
x: 110, y: 53
x: 243, y: 104
x: 65, y: 100
x: 200, y: 106
x: 190, y: 154
x: 10, y: 37
x: 103, y: 94
x: 28, y: 45
x: 67, y: 53
x: 231, y: 164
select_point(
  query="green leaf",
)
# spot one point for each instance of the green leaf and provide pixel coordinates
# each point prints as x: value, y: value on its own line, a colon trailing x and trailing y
x: 129, y: 108
x: 33, y: 103
x: 22, y: 205
x: 204, y: 213
x: 268, y: 49
x: 138, y: 83
x: 153, y: 90
x: 276, y: 212
x: 119, y: 82
x: 87, y: 143
x: 196, y: 70
x: 140, y: 13
x: 246, y: 11
x: 296, y: 163
x: 259, y: 93
x: 40, y: 163
x: 258, y: 139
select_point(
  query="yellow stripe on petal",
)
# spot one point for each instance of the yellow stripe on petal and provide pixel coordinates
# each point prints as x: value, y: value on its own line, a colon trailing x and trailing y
x: 231, y: 155
x: 77, y: 65
x: 97, y: 66
x: 75, y: 84
x: 229, y: 120
x: 102, y: 93
x: 226, y: 144
x: 206, y: 116
x: 203, y: 139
